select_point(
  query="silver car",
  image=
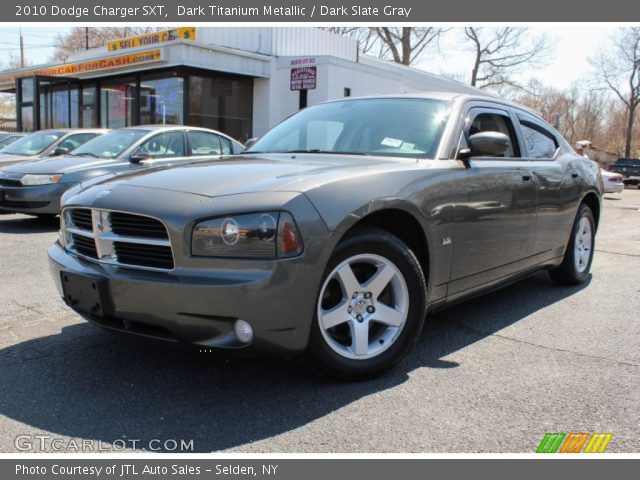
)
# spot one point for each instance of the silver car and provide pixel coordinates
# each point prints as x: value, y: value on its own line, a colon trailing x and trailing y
x: 35, y: 188
x: 46, y: 143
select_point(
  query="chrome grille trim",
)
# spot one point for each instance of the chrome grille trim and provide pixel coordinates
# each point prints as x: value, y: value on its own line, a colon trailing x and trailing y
x: 105, y: 239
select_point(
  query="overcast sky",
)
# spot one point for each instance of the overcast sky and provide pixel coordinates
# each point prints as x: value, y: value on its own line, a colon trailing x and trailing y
x: 569, y: 61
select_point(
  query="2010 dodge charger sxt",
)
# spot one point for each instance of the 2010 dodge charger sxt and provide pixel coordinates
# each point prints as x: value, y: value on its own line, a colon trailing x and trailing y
x: 335, y: 233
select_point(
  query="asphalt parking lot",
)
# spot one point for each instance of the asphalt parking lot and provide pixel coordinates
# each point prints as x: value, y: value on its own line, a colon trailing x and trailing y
x: 491, y: 375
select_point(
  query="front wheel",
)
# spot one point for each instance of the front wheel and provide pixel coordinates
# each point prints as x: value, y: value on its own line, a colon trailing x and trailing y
x: 578, y: 256
x: 370, y: 308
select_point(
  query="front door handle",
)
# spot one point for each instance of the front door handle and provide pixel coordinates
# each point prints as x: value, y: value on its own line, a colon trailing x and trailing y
x: 527, y: 176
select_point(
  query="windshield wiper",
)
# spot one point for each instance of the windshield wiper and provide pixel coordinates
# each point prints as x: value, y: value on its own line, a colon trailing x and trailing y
x: 328, y: 152
x: 85, y: 154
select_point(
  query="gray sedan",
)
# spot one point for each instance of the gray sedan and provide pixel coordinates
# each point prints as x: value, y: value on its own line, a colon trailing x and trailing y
x: 336, y: 233
x: 45, y: 143
x: 36, y: 187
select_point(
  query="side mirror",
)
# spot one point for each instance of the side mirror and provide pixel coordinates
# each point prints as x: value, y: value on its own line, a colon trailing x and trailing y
x: 59, y: 151
x: 250, y: 142
x: 488, y: 144
x: 140, y: 157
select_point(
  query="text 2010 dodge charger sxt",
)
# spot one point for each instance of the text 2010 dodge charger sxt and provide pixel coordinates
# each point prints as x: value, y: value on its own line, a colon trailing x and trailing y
x: 335, y: 233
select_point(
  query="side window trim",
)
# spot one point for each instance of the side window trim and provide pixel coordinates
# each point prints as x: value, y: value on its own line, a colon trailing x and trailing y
x: 531, y: 122
x: 474, y: 110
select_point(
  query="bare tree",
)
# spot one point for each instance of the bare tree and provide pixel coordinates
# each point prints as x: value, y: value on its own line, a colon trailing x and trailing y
x: 618, y: 67
x: 78, y: 38
x: 502, y: 51
x: 403, y: 45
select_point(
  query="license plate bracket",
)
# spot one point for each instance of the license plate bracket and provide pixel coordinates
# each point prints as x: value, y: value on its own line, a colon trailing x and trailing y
x: 89, y: 294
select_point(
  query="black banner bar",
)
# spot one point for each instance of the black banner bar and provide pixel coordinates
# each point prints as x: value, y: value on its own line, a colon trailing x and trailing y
x: 329, y: 11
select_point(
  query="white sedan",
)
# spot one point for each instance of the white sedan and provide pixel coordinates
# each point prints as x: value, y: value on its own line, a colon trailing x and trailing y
x: 612, y: 182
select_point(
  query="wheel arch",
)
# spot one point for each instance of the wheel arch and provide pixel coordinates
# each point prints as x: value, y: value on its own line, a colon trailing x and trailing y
x: 592, y: 200
x: 400, y: 219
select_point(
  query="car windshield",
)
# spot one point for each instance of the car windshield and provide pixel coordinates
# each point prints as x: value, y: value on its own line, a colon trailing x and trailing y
x: 400, y: 127
x: 110, y: 145
x: 33, y: 144
x: 8, y: 140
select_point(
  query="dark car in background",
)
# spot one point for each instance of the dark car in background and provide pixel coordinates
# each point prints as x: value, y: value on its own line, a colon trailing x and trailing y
x: 36, y: 187
x: 46, y: 143
x: 335, y: 233
x: 629, y: 168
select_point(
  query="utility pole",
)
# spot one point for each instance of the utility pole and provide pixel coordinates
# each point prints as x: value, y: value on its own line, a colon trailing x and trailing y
x: 21, y: 50
x: 86, y: 38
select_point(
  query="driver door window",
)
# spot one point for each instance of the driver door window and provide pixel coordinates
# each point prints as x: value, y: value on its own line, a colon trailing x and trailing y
x: 164, y: 145
x: 495, y: 122
x: 74, y: 141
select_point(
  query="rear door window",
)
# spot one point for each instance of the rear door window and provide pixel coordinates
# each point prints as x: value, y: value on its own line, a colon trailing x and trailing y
x: 540, y: 142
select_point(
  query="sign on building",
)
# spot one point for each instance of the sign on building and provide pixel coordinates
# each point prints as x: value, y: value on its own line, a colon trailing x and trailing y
x: 303, y: 78
x: 182, y: 33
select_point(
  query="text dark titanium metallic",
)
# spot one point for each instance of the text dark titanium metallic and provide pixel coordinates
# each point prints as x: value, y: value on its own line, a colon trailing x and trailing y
x: 335, y: 234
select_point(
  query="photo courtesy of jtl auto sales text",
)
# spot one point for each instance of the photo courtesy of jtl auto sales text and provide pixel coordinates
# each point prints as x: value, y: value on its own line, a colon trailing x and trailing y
x: 317, y: 240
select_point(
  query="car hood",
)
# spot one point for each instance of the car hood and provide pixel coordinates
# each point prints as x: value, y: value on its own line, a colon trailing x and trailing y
x: 63, y: 164
x: 8, y: 159
x: 245, y: 174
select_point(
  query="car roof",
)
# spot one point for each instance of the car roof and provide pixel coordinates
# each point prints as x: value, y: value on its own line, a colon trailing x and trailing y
x: 70, y: 130
x: 447, y: 96
x: 156, y: 128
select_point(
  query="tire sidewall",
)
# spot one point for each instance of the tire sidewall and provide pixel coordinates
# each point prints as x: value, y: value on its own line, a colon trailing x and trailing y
x: 394, y: 250
x: 583, y: 212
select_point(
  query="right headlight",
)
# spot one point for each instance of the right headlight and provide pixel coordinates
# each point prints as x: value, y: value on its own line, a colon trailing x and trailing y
x: 253, y: 235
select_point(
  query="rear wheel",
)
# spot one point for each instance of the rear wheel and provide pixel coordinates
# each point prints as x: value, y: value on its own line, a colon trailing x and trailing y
x: 370, y: 308
x: 578, y: 257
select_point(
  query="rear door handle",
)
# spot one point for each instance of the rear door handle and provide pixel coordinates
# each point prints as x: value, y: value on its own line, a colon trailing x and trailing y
x: 527, y: 176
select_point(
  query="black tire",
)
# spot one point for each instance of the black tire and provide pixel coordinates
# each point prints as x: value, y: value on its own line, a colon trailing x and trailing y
x: 567, y: 272
x: 372, y: 241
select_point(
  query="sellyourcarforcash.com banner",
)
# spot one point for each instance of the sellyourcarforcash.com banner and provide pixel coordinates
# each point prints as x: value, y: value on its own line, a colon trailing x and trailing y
x: 329, y: 11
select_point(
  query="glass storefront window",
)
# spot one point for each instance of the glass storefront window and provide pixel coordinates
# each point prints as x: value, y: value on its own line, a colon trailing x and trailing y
x: 56, y: 102
x: 27, y: 89
x: 222, y: 103
x: 89, y: 106
x: 26, y: 114
x: 161, y: 101
x: 117, y: 103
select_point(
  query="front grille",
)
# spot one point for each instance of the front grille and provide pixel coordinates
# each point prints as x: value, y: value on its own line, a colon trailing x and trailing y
x: 22, y: 204
x: 142, y: 255
x: 84, y: 245
x: 118, y: 238
x: 81, y: 218
x: 10, y: 182
x: 129, y: 225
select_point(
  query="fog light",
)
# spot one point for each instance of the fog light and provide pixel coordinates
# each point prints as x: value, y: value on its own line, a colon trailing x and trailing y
x: 243, y: 331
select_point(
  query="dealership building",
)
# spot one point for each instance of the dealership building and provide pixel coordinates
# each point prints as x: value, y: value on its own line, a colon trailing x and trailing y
x: 241, y: 81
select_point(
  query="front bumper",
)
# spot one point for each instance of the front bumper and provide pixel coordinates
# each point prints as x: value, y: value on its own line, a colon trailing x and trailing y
x: 38, y: 199
x: 200, y: 307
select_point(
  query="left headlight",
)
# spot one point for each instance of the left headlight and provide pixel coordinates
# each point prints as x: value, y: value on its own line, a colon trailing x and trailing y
x: 253, y: 235
x: 29, y: 180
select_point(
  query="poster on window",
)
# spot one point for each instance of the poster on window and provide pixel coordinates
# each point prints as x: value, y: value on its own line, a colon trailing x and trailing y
x: 303, y: 78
